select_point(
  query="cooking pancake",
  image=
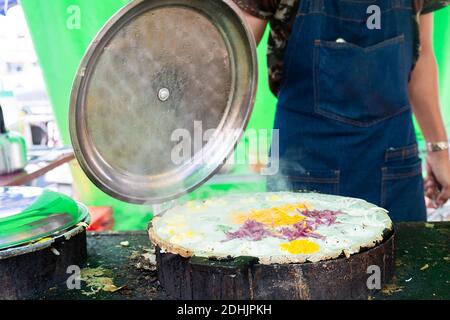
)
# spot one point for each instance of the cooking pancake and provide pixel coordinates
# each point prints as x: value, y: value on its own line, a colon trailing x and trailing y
x: 274, y: 227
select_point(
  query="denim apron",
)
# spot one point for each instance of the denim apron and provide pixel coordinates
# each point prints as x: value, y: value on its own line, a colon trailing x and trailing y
x: 344, y: 116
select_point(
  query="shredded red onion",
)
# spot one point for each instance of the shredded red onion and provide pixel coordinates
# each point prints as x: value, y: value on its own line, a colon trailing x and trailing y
x: 250, y: 230
x: 256, y: 231
x: 300, y: 230
x: 321, y: 217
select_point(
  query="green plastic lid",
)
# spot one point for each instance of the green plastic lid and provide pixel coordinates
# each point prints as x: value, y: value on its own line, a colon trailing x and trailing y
x: 30, y: 214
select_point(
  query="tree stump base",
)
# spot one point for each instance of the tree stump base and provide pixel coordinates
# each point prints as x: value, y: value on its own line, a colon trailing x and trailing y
x: 26, y: 272
x: 243, y: 278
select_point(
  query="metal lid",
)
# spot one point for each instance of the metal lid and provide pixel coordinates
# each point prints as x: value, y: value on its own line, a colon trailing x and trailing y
x: 157, y: 77
x: 31, y: 214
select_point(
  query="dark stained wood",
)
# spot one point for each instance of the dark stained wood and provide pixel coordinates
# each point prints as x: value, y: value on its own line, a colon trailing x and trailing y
x: 30, y: 275
x: 34, y: 171
x: 243, y: 278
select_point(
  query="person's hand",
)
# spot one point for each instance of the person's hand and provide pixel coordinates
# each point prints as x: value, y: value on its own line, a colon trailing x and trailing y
x: 437, y: 183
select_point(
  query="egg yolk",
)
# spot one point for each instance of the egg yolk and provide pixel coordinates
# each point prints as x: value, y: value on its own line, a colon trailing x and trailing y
x: 300, y: 247
x: 274, y: 197
x: 273, y: 217
x: 174, y: 226
x: 180, y: 237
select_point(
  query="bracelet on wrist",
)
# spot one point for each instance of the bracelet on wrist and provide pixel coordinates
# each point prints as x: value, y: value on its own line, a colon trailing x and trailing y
x: 437, y: 146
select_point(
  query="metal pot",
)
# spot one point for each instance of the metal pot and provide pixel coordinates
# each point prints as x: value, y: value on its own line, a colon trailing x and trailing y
x: 13, y: 150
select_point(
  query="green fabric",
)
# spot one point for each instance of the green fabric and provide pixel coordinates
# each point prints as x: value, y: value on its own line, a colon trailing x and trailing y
x: 60, y: 50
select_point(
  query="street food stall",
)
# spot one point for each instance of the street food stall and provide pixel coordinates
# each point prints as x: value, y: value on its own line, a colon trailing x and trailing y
x: 158, y: 105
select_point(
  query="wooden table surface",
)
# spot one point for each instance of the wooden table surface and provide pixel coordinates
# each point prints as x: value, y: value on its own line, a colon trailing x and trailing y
x: 124, y: 259
x: 35, y: 170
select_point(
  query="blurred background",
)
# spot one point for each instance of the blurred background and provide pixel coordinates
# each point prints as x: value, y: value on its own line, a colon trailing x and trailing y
x: 42, y: 43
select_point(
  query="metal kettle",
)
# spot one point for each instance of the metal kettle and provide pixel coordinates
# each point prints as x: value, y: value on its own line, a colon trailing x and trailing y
x: 13, y: 150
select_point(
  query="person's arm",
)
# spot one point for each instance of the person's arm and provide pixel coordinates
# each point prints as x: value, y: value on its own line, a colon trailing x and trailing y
x: 257, y: 13
x: 257, y: 25
x: 424, y: 96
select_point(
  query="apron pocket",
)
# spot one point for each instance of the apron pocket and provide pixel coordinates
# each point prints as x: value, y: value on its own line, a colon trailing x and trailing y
x: 321, y: 181
x: 403, y: 192
x: 360, y: 85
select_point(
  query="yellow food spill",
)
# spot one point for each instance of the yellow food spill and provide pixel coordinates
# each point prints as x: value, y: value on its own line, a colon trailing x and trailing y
x: 175, y: 224
x: 44, y: 240
x: 425, y: 267
x: 300, y: 247
x: 190, y: 204
x: 274, y: 197
x: 181, y: 236
x: 173, y: 228
x: 391, y: 288
x: 97, y: 281
x: 196, y: 207
x: 274, y: 217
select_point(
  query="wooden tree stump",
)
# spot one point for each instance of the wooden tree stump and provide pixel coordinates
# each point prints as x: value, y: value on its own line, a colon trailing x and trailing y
x: 244, y: 278
x: 28, y: 271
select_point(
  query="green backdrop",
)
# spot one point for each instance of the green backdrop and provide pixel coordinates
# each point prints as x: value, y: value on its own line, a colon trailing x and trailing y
x: 60, y: 48
x: 442, y: 48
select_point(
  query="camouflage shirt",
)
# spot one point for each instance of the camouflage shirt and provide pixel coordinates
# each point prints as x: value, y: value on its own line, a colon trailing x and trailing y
x: 282, y: 13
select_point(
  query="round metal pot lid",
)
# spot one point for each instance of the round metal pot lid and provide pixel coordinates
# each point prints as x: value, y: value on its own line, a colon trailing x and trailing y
x: 30, y: 214
x: 162, y: 96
